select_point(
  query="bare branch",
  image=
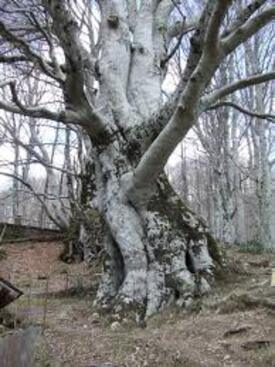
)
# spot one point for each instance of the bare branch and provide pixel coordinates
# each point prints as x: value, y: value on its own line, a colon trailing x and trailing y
x: 176, y: 47
x: 244, y: 15
x: 252, y: 26
x: 90, y: 120
x: 12, y: 59
x: 77, y: 58
x: 263, y: 116
x: 231, y: 88
x: 215, y: 21
x: 57, y: 221
x: 180, y: 27
x: 27, y: 51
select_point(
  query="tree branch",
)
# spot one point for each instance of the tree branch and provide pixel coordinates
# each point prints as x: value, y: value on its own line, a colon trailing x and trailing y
x: 233, y: 87
x: 91, y: 120
x: 180, y: 27
x: 244, y: 15
x: 160, y: 120
x: 77, y: 58
x: 263, y: 116
x: 240, y: 35
x: 11, y: 59
x: 58, y: 222
x: 27, y: 51
x: 34, y: 112
x: 39, y: 158
x: 215, y: 21
x: 176, y: 47
x: 156, y: 156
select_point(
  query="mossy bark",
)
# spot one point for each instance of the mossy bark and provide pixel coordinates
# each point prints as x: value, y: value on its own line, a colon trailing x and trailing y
x: 156, y: 255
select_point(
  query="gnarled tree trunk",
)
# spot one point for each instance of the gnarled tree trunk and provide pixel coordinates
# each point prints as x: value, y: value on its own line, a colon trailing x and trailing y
x: 158, y: 250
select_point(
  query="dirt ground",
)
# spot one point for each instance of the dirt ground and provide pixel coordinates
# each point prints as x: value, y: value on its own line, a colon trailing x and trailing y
x: 234, y: 326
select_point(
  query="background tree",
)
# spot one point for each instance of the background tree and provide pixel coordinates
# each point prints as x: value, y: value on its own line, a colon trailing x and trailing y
x: 236, y: 150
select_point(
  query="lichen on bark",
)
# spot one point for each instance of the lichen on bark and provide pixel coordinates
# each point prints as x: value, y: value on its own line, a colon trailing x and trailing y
x: 158, y: 254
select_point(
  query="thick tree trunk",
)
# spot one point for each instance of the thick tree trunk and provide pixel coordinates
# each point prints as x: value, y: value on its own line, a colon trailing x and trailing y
x: 157, y: 253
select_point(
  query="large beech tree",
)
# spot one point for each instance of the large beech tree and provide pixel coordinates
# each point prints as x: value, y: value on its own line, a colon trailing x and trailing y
x: 106, y: 61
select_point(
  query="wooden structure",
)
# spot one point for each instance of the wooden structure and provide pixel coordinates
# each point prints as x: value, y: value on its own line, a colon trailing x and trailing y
x: 8, y: 293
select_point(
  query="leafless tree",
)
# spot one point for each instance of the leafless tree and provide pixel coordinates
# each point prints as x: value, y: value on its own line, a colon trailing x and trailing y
x: 107, y: 62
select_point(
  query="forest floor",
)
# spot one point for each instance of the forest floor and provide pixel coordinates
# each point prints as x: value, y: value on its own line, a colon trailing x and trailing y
x: 234, y: 326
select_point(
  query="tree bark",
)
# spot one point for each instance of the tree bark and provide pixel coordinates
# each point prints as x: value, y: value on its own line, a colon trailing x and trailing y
x: 157, y: 251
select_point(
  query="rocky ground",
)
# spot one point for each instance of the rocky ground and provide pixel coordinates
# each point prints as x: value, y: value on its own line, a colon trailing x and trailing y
x: 234, y: 326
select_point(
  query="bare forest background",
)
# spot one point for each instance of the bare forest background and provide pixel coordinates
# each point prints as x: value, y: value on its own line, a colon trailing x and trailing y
x: 224, y: 169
